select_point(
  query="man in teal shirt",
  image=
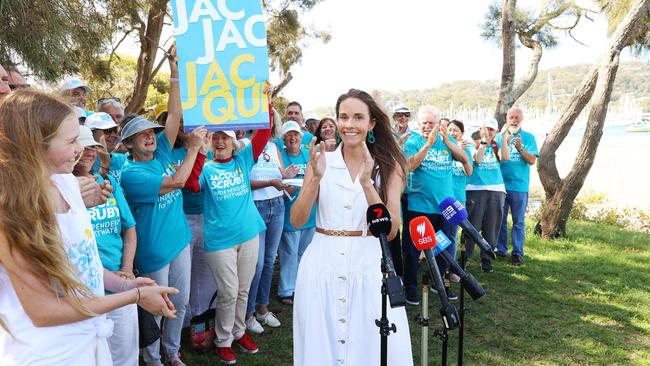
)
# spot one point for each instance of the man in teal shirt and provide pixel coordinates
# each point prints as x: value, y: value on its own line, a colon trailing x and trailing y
x: 516, y: 177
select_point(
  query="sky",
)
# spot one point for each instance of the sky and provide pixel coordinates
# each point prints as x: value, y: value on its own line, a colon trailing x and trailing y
x: 414, y: 44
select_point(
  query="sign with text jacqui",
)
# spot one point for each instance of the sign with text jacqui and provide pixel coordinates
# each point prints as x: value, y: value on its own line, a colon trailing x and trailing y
x: 223, y: 63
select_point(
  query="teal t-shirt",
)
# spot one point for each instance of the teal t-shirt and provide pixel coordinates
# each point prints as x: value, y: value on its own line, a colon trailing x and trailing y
x: 431, y: 182
x: 115, y: 169
x: 192, y: 201
x: 230, y: 216
x: 304, y: 142
x: 161, y: 225
x: 516, y: 171
x: 302, y: 161
x: 459, y: 179
x: 108, y: 222
x: 487, y: 175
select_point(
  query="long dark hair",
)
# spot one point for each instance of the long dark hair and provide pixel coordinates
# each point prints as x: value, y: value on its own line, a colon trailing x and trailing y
x: 384, y: 150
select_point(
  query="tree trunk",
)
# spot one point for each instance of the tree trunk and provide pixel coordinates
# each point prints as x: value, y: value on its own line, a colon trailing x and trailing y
x: 149, y: 35
x: 560, y: 193
x: 508, y: 69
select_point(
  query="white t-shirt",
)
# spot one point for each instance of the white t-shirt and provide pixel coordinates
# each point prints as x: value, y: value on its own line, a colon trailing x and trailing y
x: 267, y: 167
x: 69, y: 344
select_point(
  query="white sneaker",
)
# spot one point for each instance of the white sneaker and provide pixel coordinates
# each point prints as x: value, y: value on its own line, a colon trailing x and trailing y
x: 268, y: 319
x: 253, y: 326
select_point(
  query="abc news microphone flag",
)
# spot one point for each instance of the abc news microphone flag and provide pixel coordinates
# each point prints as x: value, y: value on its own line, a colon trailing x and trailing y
x: 223, y: 63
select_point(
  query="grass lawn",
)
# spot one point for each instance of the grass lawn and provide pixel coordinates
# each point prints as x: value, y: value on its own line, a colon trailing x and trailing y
x: 583, y: 300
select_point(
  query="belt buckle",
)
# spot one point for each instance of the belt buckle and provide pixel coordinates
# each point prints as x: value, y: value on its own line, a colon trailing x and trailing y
x: 340, y: 233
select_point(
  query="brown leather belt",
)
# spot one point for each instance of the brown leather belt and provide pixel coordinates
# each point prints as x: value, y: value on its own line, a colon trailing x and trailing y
x: 339, y: 232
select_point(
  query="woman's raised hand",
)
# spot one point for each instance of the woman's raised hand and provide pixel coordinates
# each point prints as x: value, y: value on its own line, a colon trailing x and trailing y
x: 317, y: 157
x: 367, y: 167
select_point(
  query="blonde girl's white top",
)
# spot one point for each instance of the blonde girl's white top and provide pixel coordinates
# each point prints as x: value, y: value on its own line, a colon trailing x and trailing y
x: 80, y: 343
x: 266, y: 168
x: 337, y: 296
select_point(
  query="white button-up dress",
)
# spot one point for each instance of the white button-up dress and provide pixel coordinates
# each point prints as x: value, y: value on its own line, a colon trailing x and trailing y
x: 338, y: 288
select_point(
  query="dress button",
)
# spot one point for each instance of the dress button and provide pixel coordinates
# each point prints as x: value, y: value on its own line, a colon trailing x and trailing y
x: 342, y: 300
x: 343, y: 253
x: 343, y: 278
x: 342, y: 341
x: 342, y: 320
x: 349, y: 207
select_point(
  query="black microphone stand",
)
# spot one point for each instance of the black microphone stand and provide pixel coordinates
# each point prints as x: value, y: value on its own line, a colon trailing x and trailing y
x: 385, y: 327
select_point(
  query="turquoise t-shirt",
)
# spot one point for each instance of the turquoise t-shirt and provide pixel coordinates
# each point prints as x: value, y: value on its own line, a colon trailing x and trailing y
x: 304, y: 142
x: 161, y: 225
x: 516, y: 171
x: 230, y: 216
x: 115, y: 169
x: 192, y: 201
x: 487, y: 175
x: 302, y: 161
x: 459, y: 179
x: 431, y: 182
x: 108, y: 222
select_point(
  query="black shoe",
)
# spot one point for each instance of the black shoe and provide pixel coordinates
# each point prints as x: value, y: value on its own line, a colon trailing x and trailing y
x: 486, y: 266
x: 412, y: 297
x: 452, y: 296
x: 517, y: 260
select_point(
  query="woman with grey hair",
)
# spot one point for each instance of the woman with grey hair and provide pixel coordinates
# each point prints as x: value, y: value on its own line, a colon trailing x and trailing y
x: 152, y: 186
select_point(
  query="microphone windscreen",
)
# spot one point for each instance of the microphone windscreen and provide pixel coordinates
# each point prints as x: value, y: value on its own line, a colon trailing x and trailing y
x: 378, y: 219
x: 422, y: 233
x: 442, y: 242
x: 452, y: 210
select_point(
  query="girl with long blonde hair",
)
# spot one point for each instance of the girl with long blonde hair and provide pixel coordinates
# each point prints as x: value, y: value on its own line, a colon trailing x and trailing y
x: 51, y: 280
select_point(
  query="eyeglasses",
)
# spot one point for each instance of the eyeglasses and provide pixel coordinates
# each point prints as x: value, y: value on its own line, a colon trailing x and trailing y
x: 19, y: 86
x: 110, y: 130
x: 108, y: 99
x: 398, y: 115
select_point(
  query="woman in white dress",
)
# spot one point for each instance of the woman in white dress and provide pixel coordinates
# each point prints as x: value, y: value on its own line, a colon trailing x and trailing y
x: 337, y: 297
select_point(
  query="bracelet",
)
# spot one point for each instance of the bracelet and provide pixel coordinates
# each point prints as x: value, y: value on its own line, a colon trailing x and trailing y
x: 137, y: 299
x: 174, y: 80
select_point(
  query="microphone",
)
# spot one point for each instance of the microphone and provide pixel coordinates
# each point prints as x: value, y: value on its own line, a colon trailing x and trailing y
x: 470, y: 284
x: 455, y: 213
x: 379, y: 224
x: 423, y: 237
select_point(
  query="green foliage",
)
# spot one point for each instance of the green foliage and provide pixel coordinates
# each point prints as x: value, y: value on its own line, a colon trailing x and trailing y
x: 52, y: 38
x: 119, y: 83
x: 616, y: 12
x: 632, y: 79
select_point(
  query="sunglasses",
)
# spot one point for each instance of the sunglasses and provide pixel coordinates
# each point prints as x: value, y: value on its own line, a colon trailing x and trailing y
x: 397, y: 115
x: 108, y: 99
x: 110, y: 130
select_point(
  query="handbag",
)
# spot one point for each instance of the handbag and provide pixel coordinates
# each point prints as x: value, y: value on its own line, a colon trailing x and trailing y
x: 202, y: 328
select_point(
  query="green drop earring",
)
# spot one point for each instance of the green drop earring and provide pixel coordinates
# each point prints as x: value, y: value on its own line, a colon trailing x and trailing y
x: 371, y: 137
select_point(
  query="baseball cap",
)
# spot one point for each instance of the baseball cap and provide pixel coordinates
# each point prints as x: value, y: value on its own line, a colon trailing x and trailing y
x: 79, y: 112
x: 491, y: 123
x: 291, y: 126
x: 229, y: 133
x: 402, y: 109
x: 138, y: 124
x: 86, y: 137
x: 100, y: 121
x: 74, y: 83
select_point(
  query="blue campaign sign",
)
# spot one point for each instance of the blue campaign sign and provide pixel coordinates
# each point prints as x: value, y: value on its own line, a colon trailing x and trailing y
x: 223, y: 63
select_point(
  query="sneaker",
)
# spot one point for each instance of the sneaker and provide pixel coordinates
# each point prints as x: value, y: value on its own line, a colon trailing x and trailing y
x: 452, y: 296
x: 246, y: 344
x: 226, y: 355
x: 486, y: 266
x: 268, y: 319
x: 454, y: 277
x: 517, y: 260
x: 414, y: 302
x: 253, y: 326
x: 175, y: 361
